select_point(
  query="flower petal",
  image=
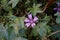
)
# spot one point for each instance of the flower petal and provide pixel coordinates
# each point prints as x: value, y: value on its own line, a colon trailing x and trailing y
x: 26, y: 20
x: 33, y: 24
x: 58, y: 4
x: 30, y: 16
x: 55, y: 9
x: 35, y: 19
x: 27, y: 24
x: 58, y: 10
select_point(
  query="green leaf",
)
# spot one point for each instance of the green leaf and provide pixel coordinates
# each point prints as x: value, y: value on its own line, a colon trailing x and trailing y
x: 34, y: 31
x: 44, y: 29
x: 12, y: 35
x: 57, y: 14
x: 22, y: 32
x: 58, y: 17
x: 54, y: 29
x: 21, y: 20
x: 20, y: 38
x: 5, y: 4
x: 13, y: 2
x: 3, y: 30
x: 11, y: 16
x: 7, y: 33
x: 35, y: 9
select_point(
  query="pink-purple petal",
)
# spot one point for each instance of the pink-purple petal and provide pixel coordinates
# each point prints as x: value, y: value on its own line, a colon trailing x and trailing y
x: 30, y: 16
x: 55, y: 9
x: 35, y: 19
x: 58, y: 4
x: 33, y: 24
x: 30, y: 21
x: 59, y: 10
x: 26, y: 20
x: 27, y: 24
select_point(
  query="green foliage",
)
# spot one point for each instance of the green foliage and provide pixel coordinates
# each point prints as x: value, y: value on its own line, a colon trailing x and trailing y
x: 35, y: 9
x: 13, y: 2
x: 58, y: 17
x: 3, y: 31
x: 55, y: 28
x: 44, y: 29
x: 22, y: 32
x: 4, y: 3
x: 14, y: 12
x: 20, y: 38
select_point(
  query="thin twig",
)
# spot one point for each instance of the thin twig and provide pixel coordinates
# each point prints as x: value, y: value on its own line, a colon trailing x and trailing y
x: 53, y: 33
x: 45, y: 7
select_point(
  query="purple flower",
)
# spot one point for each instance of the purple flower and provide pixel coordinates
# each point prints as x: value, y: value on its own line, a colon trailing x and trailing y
x: 58, y: 7
x: 30, y: 22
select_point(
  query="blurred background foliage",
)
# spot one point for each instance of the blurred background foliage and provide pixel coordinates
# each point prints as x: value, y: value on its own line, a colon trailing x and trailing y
x: 14, y: 12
